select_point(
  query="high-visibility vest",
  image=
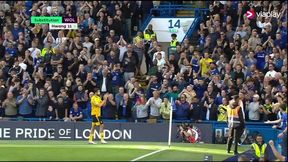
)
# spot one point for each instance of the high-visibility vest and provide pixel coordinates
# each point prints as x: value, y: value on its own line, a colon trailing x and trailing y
x: 233, y: 116
x: 259, y: 153
x: 148, y: 35
x: 45, y: 50
x: 173, y: 43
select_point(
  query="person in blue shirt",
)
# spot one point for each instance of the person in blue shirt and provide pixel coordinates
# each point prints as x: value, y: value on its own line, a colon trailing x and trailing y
x: 260, y: 57
x: 152, y: 86
x: 88, y: 21
x: 182, y: 108
x: 283, y: 31
x: 25, y: 102
x: 117, y: 78
x: 125, y: 108
x: 213, y: 69
x: 219, y: 98
x: 200, y: 88
x: 76, y: 113
x: 250, y: 60
x: 11, y: 50
x: 195, y: 61
x: 16, y: 30
x: 87, y: 112
x: 278, y: 42
x: 278, y: 61
x: 119, y: 97
x: 283, y: 127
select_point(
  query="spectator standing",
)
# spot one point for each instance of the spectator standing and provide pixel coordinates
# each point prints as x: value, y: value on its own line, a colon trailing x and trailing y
x: 222, y: 111
x: 76, y: 113
x: 165, y: 109
x: 109, y: 110
x: 254, y: 109
x: 25, y: 102
x: 125, y: 108
x: 41, y: 104
x: 182, y: 108
x: 61, y: 110
x: 154, y: 103
x: 129, y: 64
x: 81, y: 96
x: 141, y: 110
x: 9, y: 106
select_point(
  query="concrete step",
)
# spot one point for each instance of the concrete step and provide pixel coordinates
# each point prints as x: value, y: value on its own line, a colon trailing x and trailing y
x: 188, y: 2
x: 185, y: 15
x: 185, y: 12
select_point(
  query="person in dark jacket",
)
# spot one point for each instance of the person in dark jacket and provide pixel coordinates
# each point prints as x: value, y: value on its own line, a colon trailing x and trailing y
x: 197, y: 111
x: 182, y: 108
x: 105, y: 82
x: 124, y: 111
x: 129, y: 63
x: 109, y: 111
x: 41, y: 104
x: 212, y: 109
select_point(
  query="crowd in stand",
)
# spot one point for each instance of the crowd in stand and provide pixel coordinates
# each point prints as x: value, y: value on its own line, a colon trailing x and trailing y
x: 54, y: 73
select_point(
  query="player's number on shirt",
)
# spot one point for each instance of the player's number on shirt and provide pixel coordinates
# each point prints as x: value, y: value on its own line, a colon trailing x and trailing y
x: 176, y: 24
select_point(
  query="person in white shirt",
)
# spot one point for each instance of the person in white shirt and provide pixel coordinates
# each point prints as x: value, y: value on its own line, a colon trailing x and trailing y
x: 254, y: 109
x: 61, y: 38
x: 265, y: 24
x: 122, y: 47
x: 155, y: 105
x: 271, y: 73
x: 34, y: 50
x: 159, y: 61
x: 159, y: 50
x: 87, y: 44
x: 141, y: 109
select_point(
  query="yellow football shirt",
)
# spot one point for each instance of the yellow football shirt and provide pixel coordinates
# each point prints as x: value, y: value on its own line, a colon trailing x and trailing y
x: 95, y: 110
x: 205, y: 67
x: 223, y: 115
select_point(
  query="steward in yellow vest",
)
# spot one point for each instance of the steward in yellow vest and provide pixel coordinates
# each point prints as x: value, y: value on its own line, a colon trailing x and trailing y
x: 174, y: 42
x: 259, y: 146
x: 149, y: 33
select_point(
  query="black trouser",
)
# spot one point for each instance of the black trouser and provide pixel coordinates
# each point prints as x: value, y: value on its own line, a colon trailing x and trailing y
x: 234, y: 133
x: 2, y: 112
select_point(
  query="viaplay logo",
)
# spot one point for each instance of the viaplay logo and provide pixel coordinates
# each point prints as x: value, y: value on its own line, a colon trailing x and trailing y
x: 250, y: 14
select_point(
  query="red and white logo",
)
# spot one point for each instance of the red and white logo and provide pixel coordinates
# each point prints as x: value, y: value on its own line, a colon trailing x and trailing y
x: 250, y: 14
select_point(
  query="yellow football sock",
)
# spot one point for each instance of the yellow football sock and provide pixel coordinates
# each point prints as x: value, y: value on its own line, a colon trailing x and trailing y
x: 91, y: 137
x: 102, y: 136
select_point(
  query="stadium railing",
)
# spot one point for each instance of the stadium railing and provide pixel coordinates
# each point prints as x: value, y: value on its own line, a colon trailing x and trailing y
x: 258, y: 124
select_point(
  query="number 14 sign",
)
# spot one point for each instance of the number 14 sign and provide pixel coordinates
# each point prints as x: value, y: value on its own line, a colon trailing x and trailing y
x: 176, y: 24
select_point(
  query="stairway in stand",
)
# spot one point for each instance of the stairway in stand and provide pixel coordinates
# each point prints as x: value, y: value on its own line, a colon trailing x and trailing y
x: 189, y: 13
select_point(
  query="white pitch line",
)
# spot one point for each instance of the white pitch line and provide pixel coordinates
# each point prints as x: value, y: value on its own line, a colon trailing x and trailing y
x: 151, y: 153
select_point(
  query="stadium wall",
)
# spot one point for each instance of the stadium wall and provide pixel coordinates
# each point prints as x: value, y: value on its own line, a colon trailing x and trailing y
x: 37, y: 130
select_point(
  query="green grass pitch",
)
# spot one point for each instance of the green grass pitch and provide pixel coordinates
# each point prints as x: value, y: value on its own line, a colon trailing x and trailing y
x: 33, y: 150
